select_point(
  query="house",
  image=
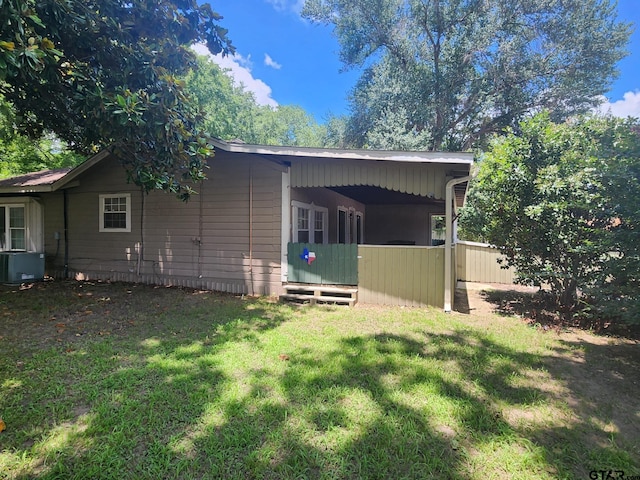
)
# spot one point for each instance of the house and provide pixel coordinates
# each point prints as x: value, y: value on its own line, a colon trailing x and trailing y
x: 267, y: 217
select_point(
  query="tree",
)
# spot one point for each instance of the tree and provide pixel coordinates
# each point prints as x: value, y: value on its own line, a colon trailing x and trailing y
x: 232, y: 113
x: 227, y: 109
x: 445, y: 74
x: 104, y: 74
x: 616, y: 292
x: 20, y: 154
x: 551, y: 198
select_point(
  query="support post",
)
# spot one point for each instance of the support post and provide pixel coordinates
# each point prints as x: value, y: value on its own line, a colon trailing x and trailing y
x: 448, y: 242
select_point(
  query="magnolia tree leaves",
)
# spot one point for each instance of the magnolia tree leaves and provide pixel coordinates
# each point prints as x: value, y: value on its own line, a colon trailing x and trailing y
x: 106, y: 74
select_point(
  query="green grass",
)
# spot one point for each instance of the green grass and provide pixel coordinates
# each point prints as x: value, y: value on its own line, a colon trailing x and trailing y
x: 173, y: 384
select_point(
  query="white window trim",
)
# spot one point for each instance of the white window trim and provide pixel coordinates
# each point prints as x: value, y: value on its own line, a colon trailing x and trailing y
x: 312, y: 208
x: 8, y: 228
x: 128, y: 212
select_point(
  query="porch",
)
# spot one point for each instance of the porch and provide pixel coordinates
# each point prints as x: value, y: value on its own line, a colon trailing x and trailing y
x: 380, y: 225
x: 404, y: 275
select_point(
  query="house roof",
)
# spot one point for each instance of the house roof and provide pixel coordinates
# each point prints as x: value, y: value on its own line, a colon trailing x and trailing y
x: 34, y: 181
x: 48, y: 180
x: 52, y: 180
x: 463, y: 158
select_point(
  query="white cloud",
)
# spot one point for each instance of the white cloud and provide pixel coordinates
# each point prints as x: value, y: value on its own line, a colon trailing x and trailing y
x: 287, y: 5
x: 239, y: 68
x: 270, y: 62
x: 629, y: 106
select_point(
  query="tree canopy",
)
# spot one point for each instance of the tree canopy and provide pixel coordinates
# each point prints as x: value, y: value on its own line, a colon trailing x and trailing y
x: 103, y: 73
x: 445, y: 74
x: 561, y: 203
x: 20, y: 154
x: 232, y: 113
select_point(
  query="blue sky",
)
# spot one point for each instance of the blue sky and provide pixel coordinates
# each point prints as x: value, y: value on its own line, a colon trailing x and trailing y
x: 284, y: 59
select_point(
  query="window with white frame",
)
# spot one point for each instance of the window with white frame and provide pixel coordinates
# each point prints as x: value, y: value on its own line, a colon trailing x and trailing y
x: 13, y: 228
x: 115, y: 213
x: 309, y: 223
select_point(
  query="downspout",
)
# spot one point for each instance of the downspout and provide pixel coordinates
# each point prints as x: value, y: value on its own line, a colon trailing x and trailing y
x: 65, y: 206
x: 448, y: 243
x: 141, y: 247
x: 285, y: 223
x: 251, y: 229
x: 200, y: 228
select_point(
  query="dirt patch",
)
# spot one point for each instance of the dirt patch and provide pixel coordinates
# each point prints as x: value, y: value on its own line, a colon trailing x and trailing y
x: 63, y: 313
x: 596, y: 368
x: 534, y: 306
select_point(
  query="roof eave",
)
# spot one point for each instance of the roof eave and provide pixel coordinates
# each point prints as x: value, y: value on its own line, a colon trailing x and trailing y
x: 80, y: 169
x: 27, y: 189
x: 465, y: 158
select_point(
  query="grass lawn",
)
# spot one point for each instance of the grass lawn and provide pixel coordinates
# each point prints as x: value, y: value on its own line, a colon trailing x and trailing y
x: 136, y: 382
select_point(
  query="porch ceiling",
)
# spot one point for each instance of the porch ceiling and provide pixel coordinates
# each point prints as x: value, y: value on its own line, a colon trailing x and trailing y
x: 381, y: 196
x: 426, y: 180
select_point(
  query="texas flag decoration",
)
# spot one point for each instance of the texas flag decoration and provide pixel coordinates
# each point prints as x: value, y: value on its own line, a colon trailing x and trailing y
x: 308, y: 256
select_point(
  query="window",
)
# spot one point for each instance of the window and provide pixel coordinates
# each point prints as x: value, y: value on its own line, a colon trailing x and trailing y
x: 309, y: 223
x: 343, y: 226
x: 350, y: 225
x: 438, y: 229
x: 359, y: 237
x: 13, y: 231
x: 303, y: 225
x: 115, y: 213
x: 318, y: 226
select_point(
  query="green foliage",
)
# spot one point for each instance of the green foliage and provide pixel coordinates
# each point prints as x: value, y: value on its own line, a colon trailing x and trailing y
x: 20, y: 154
x: 561, y: 203
x: 616, y: 293
x: 232, y: 113
x: 446, y: 74
x: 105, y: 74
x: 23, y: 155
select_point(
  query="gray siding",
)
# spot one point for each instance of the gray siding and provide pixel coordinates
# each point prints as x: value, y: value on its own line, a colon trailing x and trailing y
x: 218, y: 240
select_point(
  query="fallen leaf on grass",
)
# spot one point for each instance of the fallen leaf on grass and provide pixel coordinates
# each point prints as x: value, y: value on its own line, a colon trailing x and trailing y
x: 283, y: 357
x: 3, y: 426
x: 60, y: 325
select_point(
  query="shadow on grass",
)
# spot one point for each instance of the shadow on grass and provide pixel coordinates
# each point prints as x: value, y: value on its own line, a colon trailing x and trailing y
x: 196, y: 390
x: 539, y: 309
x: 601, y: 378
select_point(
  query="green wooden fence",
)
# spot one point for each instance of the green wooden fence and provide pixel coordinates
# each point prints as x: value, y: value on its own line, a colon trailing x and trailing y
x: 335, y: 264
